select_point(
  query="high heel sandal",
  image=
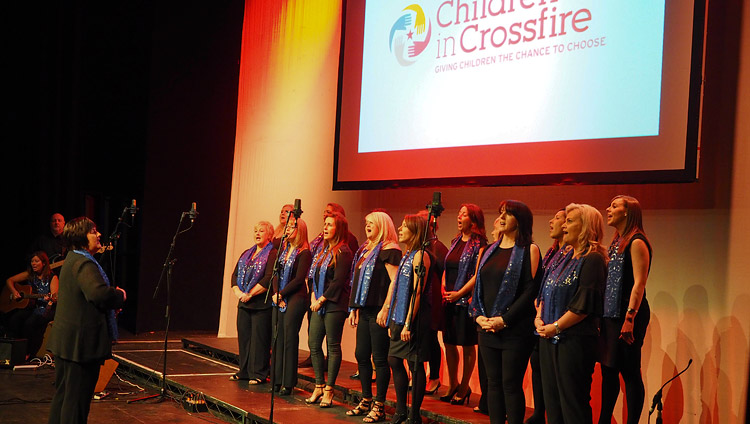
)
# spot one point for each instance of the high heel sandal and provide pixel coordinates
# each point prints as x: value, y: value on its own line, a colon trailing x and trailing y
x: 449, y: 396
x: 316, y: 395
x: 323, y: 403
x: 377, y: 413
x: 433, y: 391
x: 361, y: 409
x: 461, y: 400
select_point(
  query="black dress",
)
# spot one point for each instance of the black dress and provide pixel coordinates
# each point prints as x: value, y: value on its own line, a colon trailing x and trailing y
x: 460, y: 329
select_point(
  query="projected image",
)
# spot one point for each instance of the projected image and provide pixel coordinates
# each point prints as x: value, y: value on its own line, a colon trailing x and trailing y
x: 460, y: 73
x: 436, y: 93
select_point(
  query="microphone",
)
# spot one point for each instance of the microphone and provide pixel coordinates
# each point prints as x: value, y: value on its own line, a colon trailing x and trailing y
x: 657, y: 397
x: 297, y: 211
x: 193, y: 213
x: 436, y: 207
x: 132, y: 208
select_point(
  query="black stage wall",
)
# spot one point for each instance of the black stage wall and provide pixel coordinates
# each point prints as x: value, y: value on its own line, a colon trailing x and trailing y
x: 115, y: 101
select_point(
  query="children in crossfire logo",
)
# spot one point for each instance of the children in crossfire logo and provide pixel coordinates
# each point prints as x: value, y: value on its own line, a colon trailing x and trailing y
x: 408, y: 38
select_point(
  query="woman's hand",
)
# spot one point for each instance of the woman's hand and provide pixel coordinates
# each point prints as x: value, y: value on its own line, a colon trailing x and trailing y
x: 382, y: 318
x: 626, y: 333
x: 483, y: 323
x: 405, y: 335
x: 354, y: 317
x: 276, y: 297
x: 496, y: 324
x: 546, y: 331
x: 245, y: 298
x: 451, y: 296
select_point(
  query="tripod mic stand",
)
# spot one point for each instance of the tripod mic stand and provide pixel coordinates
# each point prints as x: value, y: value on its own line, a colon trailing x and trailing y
x: 167, y: 270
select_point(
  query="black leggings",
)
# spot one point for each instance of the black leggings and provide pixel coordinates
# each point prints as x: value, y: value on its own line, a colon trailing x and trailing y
x: 634, y: 390
x: 372, y: 339
x: 401, y: 384
x: 436, y: 354
x: 505, y: 368
x: 329, y: 326
x: 286, y: 352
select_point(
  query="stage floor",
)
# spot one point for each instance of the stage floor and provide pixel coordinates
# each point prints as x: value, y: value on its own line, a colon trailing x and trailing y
x: 200, y: 369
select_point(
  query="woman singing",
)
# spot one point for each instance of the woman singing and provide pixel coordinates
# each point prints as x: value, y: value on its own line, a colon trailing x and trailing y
x: 460, y: 330
x: 409, y: 319
x: 570, y: 303
x: 293, y: 302
x: 503, y: 307
x: 375, y: 266
x: 30, y: 323
x: 250, y: 281
x: 626, y: 311
x: 329, y: 294
x: 85, y: 325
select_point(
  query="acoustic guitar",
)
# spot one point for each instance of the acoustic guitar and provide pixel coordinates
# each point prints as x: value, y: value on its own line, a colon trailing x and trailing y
x: 7, y: 303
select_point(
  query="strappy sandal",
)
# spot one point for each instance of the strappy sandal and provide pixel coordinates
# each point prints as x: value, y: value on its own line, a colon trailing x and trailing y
x: 316, y: 395
x: 377, y: 413
x: 327, y: 404
x: 361, y: 409
x: 255, y: 381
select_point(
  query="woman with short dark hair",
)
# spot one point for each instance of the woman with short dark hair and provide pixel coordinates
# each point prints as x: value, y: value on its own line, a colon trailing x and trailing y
x: 85, y: 326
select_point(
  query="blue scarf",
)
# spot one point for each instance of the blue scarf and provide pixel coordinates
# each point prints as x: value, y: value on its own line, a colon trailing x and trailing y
x: 402, y: 289
x: 286, y: 269
x: 508, y: 287
x: 316, y: 244
x: 365, y: 273
x: 559, y: 286
x: 613, y: 289
x: 110, y: 314
x: 466, y: 264
x: 249, y: 269
x: 323, y: 258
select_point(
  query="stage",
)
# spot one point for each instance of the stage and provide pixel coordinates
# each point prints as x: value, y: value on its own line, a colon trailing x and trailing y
x: 198, y: 371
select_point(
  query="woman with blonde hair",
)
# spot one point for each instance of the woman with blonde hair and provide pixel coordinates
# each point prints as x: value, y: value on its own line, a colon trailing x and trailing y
x: 626, y: 310
x: 291, y: 298
x: 567, y: 319
x: 328, y: 282
x: 374, y: 267
x: 250, y: 280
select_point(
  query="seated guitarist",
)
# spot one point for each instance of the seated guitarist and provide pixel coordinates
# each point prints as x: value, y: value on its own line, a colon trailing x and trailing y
x: 30, y: 322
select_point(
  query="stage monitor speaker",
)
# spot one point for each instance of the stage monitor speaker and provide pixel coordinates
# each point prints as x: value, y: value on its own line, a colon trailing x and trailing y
x: 12, y: 352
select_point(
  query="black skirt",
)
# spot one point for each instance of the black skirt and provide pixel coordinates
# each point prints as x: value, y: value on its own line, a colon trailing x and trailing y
x: 460, y: 328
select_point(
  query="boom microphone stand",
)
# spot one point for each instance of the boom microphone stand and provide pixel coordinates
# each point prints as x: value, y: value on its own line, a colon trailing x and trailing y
x: 167, y: 270
x: 276, y: 275
x: 115, y: 236
x: 435, y: 209
x: 656, y: 402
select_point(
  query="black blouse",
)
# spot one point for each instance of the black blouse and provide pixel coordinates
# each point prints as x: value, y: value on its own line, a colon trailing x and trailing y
x: 296, y: 286
x: 379, y: 281
x: 589, y: 298
x: 336, y: 285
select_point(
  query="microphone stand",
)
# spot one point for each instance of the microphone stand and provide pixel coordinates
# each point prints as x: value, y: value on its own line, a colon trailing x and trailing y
x: 166, y: 270
x: 656, y: 402
x: 420, y: 270
x: 276, y: 275
x: 112, y: 242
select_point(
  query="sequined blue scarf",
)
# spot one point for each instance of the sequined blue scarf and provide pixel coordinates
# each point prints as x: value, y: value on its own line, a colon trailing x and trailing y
x: 613, y: 289
x: 466, y: 264
x: 365, y: 273
x: 508, y: 287
x: 559, y: 286
x: 402, y: 289
x: 249, y: 269
x: 316, y: 244
x: 111, y: 321
x: 286, y: 268
x: 322, y: 258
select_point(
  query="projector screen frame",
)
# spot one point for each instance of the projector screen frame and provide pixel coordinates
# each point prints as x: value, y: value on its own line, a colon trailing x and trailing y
x: 687, y: 174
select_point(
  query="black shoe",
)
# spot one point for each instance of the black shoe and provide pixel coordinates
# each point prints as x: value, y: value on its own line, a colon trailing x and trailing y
x: 285, y: 391
x: 461, y: 400
x: 449, y: 396
x: 534, y: 419
x: 398, y: 418
x: 355, y: 376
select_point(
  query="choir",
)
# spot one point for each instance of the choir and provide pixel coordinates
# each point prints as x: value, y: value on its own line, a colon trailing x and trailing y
x: 580, y: 303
